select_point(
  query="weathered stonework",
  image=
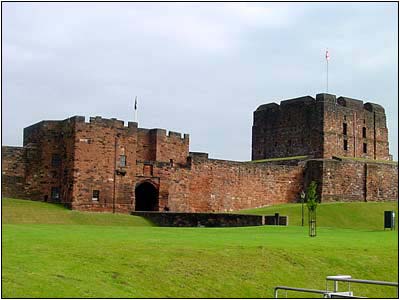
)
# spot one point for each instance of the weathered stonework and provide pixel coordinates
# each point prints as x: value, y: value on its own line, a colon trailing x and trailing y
x: 320, y: 128
x: 103, y: 165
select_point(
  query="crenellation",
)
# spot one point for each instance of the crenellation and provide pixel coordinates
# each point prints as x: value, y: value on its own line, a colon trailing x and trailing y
x: 350, y: 103
x: 113, y: 122
x: 175, y: 134
x: 298, y: 101
x: 373, y: 107
x: 158, y: 132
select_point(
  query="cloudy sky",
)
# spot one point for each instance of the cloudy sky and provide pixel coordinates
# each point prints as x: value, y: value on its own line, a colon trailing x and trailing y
x: 197, y: 68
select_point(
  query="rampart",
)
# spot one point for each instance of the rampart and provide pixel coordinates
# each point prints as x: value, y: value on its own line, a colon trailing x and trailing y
x: 344, y: 179
x: 103, y: 165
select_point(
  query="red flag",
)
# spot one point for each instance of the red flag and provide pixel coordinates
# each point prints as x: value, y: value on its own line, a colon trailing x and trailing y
x: 327, y: 55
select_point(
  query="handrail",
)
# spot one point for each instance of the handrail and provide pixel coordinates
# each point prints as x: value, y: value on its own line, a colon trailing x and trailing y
x: 335, y: 293
x: 365, y: 281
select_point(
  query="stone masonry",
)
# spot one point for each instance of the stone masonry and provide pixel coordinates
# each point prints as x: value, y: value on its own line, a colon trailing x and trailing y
x: 103, y: 165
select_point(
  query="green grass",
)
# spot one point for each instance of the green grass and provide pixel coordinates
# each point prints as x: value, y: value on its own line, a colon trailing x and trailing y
x: 279, y: 159
x: 118, y: 259
x: 361, y: 159
x: 33, y: 212
x: 355, y: 215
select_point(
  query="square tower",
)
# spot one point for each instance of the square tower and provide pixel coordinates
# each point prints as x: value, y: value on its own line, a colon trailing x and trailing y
x: 320, y: 128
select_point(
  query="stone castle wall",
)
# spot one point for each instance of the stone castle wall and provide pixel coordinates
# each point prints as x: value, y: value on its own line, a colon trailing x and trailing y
x: 208, y: 185
x: 365, y: 127
x: 99, y: 165
x: 293, y: 128
x: 13, y: 172
x: 352, y: 180
x: 99, y: 145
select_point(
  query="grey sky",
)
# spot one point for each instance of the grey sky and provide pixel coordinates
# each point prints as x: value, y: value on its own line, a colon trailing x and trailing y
x: 197, y: 68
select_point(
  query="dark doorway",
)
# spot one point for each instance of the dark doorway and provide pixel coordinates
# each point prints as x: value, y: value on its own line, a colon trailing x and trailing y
x: 146, y: 195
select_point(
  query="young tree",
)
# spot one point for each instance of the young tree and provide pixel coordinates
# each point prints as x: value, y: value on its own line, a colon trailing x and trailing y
x: 312, y: 202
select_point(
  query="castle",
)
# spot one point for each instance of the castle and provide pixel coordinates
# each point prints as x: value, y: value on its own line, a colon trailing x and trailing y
x: 102, y: 165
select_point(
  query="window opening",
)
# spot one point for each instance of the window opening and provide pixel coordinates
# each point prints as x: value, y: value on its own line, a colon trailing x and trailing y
x: 344, y: 128
x: 96, y: 195
x: 122, y: 161
x: 55, y: 193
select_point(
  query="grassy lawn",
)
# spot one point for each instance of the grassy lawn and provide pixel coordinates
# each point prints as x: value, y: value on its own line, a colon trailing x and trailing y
x: 90, y: 255
x: 34, y: 212
x: 354, y: 215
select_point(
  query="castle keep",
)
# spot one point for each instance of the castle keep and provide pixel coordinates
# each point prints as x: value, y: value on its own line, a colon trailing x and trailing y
x: 102, y: 165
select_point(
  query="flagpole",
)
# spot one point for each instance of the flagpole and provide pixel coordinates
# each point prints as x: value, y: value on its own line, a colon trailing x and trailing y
x: 327, y: 75
x: 135, y: 108
x: 136, y: 116
x: 327, y: 70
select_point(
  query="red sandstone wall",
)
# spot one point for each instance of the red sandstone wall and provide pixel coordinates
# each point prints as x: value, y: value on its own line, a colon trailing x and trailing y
x: 343, y: 181
x: 12, y: 161
x: 236, y: 186
x: 172, y: 147
x: 292, y: 128
x: 314, y: 127
x: 145, y: 145
x: 357, y: 181
x: 382, y: 182
x: 13, y: 171
x: 356, y: 115
x: 157, y: 145
x: 215, y: 185
x: 42, y: 141
x: 98, y: 146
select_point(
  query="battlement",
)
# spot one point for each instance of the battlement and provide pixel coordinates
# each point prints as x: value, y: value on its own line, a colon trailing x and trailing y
x: 341, y: 101
x: 166, y: 134
x: 298, y: 101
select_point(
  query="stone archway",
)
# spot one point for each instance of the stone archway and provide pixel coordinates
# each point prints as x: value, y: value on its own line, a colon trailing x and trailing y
x: 146, y: 197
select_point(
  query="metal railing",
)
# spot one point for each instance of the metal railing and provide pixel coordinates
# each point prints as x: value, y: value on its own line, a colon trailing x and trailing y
x: 347, y: 278
x: 288, y: 288
x: 335, y: 293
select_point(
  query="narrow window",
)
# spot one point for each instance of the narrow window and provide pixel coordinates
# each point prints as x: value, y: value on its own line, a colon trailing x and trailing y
x: 55, y: 193
x: 96, y: 195
x: 364, y: 132
x: 171, y: 162
x: 55, y: 160
x: 345, y: 145
x: 122, y: 161
x: 364, y: 147
x: 344, y: 128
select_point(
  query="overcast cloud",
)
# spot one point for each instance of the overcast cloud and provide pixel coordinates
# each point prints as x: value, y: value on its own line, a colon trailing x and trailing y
x: 197, y: 68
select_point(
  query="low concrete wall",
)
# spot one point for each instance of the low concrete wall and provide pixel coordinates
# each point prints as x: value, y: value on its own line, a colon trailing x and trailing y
x: 173, y: 219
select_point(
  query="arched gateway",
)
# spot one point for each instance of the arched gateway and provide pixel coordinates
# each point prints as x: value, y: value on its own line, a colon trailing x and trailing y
x: 146, y: 195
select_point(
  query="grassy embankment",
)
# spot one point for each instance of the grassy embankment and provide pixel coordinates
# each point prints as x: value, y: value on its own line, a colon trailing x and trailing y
x: 49, y: 251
